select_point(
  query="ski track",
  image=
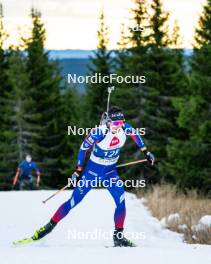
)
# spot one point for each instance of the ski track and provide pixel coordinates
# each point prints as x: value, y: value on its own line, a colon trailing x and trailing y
x: 23, y: 212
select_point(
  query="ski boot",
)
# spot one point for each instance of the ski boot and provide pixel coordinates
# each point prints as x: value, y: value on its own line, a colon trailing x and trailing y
x: 120, y: 240
x: 43, y: 231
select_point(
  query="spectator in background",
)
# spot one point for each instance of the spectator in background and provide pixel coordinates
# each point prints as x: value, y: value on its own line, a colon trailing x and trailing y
x: 23, y: 175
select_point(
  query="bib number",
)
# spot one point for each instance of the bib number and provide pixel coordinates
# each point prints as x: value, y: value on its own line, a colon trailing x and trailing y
x: 111, y: 153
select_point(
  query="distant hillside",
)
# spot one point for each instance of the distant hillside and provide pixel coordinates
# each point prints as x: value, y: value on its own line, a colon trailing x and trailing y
x: 70, y: 54
x: 85, y: 54
x: 77, y: 61
x: 74, y: 66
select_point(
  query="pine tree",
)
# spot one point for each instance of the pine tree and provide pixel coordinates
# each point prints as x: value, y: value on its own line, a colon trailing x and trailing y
x: 130, y: 61
x: 101, y: 64
x: 132, y: 51
x: 3, y: 55
x: 182, y: 89
x: 15, y: 114
x: 45, y: 83
x: 176, y: 41
x: 163, y: 70
x: 3, y: 64
x: 122, y: 53
x: 4, y: 88
x: 192, y: 165
x: 71, y: 115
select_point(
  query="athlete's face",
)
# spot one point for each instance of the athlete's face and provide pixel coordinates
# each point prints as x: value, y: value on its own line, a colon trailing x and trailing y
x: 28, y: 158
x: 116, y: 125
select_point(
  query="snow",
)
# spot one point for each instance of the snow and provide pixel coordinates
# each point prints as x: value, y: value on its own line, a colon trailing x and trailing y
x: 183, y: 227
x: 83, y: 235
x: 173, y: 217
x: 205, y: 220
x: 203, y: 223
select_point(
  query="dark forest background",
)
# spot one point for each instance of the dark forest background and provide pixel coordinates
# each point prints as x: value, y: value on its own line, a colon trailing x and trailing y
x: 174, y: 105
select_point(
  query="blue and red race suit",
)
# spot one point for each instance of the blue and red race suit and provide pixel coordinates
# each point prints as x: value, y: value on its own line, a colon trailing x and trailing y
x: 105, y: 153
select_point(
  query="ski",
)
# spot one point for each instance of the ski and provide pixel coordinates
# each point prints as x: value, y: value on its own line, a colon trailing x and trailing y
x: 131, y: 244
x: 24, y: 241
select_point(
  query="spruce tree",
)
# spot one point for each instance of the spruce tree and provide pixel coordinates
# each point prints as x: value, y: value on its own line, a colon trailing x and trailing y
x: 130, y: 61
x: 3, y: 57
x: 45, y: 83
x: 70, y: 115
x: 166, y: 81
x: 102, y: 65
x: 5, y: 176
x: 3, y: 64
x: 15, y: 116
x: 192, y: 166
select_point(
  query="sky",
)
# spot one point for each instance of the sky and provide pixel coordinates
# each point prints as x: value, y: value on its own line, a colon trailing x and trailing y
x: 72, y: 24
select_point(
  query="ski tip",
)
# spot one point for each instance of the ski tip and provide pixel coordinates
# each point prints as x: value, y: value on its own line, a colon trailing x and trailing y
x: 24, y: 241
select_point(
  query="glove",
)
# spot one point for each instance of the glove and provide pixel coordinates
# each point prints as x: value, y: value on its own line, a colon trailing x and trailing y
x: 76, y: 174
x: 149, y: 156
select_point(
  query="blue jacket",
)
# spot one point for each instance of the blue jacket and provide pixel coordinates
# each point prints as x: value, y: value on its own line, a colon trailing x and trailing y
x: 26, y: 168
x: 105, y: 150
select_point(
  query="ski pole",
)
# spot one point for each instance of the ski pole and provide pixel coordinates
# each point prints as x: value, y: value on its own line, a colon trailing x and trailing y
x: 131, y: 163
x: 110, y: 89
x: 118, y: 166
x: 62, y: 189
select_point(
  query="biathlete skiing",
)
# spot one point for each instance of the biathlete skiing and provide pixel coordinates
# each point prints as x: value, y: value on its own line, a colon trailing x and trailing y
x: 105, y: 141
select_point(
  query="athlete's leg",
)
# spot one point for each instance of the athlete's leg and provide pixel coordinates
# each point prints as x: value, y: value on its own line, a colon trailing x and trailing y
x: 91, y: 171
x: 31, y: 184
x: 17, y: 186
x: 79, y: 193
x: 118, y: 194
x: 77, y: 196
x: 117, y: 191
x: 22, y: 184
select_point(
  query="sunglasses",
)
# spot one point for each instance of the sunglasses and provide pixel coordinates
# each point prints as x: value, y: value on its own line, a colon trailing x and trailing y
x: 117, y: 123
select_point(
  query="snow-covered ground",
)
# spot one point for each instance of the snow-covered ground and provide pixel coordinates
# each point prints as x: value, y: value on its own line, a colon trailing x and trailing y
x: 23, y: 212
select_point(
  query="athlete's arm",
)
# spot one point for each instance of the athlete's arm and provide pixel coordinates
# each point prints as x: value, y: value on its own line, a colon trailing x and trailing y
x: 37, y: 173
x: 129, y: 130
x: 136, y: 137
x: 94, y: 136
x: 16, y: 177
x: 18, y: 171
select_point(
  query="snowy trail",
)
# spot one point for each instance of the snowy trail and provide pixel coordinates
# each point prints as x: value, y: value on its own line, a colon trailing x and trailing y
x: 22, y: 213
